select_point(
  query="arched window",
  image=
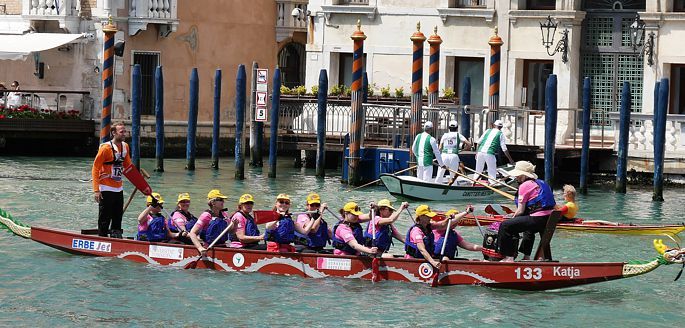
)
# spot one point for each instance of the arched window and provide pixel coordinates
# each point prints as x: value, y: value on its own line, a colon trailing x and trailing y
x: 291, y: 60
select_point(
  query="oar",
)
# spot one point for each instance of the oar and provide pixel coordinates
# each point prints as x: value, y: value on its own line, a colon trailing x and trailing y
x: 266, y: 216
x: 376, y: 181
x: 130, y: 198
x: 447, y: 189
x: 507, y: 209
x: 193, y: 264
x: 442, y: 252
x: 333, y: 213
x: 505, y: 194
x: 491, y: 178
x: 375, y: 263
x: 491, y: 210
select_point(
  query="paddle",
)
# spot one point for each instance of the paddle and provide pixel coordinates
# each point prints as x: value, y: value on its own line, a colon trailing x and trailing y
x: 491, y: 210
x: 376, y: 181
x: 505, y: 194
x: 130, y: 198
x: 491, y: 178
x: 375, y: 263
x: 266, y: 216
x: 138, y: 180
x: 447, y: 189
x: 193, y: 264
x: 436, y: 275
x: 507, y: 209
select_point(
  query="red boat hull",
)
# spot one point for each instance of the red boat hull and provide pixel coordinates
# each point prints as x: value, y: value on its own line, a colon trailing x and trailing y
x: 531, y: 275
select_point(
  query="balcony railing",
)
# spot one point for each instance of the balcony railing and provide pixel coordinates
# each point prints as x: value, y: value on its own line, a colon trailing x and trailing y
x: 51, y: 7
x: 352, y: 2
x: 468, y: 4
x: 143, y: 12
x: 285, y: 17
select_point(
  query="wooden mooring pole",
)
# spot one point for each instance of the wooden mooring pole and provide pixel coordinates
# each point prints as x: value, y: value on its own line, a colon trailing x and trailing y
x: 192, y: 119
x: 159, y: 119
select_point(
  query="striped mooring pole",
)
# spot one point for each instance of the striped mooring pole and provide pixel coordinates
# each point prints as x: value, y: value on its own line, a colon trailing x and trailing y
x: 495, y: 43
x: 107, y: 86
x: 415, y: 114
x: 434, y: 73
x: 356, y: 135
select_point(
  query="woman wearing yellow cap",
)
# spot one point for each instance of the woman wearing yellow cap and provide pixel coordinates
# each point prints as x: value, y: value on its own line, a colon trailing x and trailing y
x: 311, y: 230
x: 181, y: 219
x: 454, y: 239
x: 246, y: 234
x: 281, y: 233
x: 152, y: 226
x: 211, y: 223
x: 385, y: 216
x: 420, y: 241
x: 348, y: 235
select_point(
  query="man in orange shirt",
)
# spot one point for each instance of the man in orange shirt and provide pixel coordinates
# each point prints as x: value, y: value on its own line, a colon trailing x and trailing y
x: 113, y: 156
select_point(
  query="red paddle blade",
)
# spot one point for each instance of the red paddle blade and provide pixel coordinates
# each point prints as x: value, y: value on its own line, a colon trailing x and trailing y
x: 191, y: 265
x: 265, y: 216
x: 132, y: 174
x: 436, y: 278
x: 490, y: 210
x: 507, y: 209
x: 375, y: 270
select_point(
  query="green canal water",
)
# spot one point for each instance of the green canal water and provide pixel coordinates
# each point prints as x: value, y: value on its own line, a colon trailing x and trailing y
x: 41, y: 286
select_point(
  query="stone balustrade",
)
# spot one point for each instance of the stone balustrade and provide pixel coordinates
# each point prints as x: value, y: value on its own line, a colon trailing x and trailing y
x: 144, y: 12
x: 641, y: 135
x: 51, y: 7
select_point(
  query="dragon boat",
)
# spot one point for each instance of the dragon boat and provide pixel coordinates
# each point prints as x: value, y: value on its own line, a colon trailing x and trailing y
x: 525, y: 275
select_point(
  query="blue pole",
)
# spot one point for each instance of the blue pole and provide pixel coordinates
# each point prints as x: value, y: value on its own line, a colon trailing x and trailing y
x: 217, y: 119
x: 159, y: 119
x: 624, y: 126
x: 136, y: 86
x: 550, y: 127
x: 585, y: 152
x: 275, y: 104
x: 192, y: 120
x: 322, y: 101
x: 240, y: 90
x: 466, y: 100
x: 660, y: 140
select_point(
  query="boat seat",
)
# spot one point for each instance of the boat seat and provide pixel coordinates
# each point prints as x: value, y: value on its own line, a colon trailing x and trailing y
x: 544, y: 252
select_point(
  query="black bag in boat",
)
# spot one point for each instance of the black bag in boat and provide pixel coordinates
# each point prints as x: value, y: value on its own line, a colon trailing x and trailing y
x: 491, y: 243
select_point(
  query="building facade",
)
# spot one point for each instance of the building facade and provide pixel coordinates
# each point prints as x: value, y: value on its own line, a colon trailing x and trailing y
x: 177, y: 35
x: 598, y: 46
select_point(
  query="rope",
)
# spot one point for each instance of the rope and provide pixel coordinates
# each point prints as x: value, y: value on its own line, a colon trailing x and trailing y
x: 13, y: 225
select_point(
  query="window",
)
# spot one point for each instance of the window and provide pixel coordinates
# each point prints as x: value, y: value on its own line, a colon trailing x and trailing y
x: 148, y: 63
x: 541, y: 4
x: 677, y: 87
x: 535, y: 74
x: 351, y: 2
x: 474, y: 69
x: 345, y: 68
x: 678, y: 5
x: 467, y: 4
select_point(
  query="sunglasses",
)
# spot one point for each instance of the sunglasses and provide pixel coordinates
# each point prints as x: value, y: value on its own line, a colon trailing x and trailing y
x: 315, y: 205
x: 184, y: 202
x: 284, y: 202
x: 218, y: 200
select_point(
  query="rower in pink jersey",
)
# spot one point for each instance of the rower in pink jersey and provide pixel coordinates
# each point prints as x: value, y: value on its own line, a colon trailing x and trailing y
x: 311, y: 230
x: 454, y: 239
x: 384, y: 229
x: 209, y: 225
x: 348, y: 234
x: 246, y: 234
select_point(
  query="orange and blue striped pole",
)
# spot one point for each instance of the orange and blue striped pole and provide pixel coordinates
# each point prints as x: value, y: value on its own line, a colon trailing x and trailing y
x: 495, y: 43
x: 434, y: 68
x: 356, y: 133
x: 107, y: 87
x: 416, y: 86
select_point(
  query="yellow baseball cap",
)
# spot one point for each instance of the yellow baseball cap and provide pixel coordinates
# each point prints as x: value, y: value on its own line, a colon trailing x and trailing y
x: 215, y: 193
x: 313, y: 198
x: 156, y: 196
x: 283, y: 197
x: 246, y: 198
x: 353, y: 208
x: 183, y: 196
x: 425, y: 210
x: 385, y: 203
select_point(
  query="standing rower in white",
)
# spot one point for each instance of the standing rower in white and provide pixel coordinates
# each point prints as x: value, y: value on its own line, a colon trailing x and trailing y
x: 487, y: 146
x: 450, y: 145
x: 426, y: 149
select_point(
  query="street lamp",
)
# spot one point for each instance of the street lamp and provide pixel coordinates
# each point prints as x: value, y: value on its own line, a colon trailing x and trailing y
x: 637, y: 40
x: 548, y: 29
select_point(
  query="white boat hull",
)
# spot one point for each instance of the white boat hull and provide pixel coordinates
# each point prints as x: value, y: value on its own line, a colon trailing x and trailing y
x: 412, y: 187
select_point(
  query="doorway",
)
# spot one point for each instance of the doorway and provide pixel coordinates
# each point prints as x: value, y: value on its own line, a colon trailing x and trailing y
x: 535, y: 75
x: 148, y: 62
x: 473, y: 68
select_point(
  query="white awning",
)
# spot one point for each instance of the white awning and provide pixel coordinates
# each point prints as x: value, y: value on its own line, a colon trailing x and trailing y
x: 18, y: 47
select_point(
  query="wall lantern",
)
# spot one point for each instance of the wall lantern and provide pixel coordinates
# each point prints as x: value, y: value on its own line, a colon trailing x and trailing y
x: 637, y: 40
x: 548, y: 29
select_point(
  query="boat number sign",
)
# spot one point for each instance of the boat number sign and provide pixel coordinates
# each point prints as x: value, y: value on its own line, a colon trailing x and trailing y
x: 323, y: 263
x: 528, y: 273
x: 165, y: 252
x: 91, y: 245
